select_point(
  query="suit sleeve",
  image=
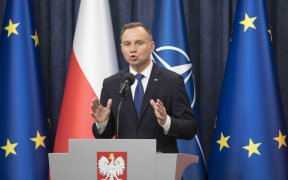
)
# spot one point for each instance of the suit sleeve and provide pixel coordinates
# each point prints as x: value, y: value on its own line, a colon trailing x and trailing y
x: 109, y: 130
x: 183, y: 125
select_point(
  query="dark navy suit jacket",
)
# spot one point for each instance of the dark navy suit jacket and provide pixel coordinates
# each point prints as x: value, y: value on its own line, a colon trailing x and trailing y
x: 164, y: 85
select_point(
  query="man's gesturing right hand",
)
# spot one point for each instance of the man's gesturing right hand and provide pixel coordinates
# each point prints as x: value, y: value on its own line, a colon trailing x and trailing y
x: 99, y: 112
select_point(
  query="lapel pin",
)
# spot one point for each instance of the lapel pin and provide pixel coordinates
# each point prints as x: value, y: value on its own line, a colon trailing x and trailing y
x: 155, y: 80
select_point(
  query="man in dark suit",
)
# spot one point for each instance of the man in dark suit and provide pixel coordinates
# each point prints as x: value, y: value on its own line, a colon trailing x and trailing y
x: 156, y: 106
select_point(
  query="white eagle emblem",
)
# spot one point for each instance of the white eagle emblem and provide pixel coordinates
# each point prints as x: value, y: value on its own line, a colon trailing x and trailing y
x: 113, y: 169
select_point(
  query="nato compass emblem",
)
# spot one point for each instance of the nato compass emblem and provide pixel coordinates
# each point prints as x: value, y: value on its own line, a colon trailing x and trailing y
x: 176, y: 60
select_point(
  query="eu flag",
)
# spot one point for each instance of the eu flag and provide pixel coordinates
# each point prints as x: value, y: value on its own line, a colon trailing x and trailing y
x: 23, y: 122
x: 172, y: 52
x: 250, y: 136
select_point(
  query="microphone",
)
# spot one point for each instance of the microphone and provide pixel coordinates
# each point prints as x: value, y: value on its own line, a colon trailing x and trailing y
x: 127, y: 80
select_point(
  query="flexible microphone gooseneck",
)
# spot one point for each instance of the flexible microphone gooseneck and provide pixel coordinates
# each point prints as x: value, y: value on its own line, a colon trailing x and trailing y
x: 127, y: 80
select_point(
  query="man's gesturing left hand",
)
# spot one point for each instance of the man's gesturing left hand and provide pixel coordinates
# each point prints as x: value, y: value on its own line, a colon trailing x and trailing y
x: 159, y: 110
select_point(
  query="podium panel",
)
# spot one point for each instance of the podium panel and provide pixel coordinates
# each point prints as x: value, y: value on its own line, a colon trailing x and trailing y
x: 124, y: 159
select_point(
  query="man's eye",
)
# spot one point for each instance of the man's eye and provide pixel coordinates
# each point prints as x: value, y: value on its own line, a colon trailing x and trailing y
x: 126, y: 44
x: 139, y: 42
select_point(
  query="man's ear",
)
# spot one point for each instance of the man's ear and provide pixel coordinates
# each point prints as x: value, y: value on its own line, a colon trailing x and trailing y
x: 152, y: 46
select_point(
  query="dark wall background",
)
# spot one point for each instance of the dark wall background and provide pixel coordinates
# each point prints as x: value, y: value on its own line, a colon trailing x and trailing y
x: 209, y: 24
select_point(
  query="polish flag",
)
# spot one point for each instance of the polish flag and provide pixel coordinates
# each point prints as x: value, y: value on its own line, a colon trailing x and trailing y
x: 93, y: 58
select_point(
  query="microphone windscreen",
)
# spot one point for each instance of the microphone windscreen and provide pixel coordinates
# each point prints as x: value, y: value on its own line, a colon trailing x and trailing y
x: 130, y: 77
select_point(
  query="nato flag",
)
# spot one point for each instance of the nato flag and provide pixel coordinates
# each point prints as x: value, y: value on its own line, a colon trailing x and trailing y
x: 250, y: 137
x: 23, y: 121
x: 172, y: 52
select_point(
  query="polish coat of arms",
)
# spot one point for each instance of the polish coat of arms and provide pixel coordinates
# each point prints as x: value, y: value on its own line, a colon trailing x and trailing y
x: 111, y: 165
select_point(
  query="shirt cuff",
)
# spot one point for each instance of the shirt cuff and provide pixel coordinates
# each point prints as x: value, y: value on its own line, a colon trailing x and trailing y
x: 101, y: 126
x: 167, y: 125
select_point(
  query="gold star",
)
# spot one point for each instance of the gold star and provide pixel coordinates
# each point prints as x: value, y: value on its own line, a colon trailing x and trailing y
x: 248, y: 22
x: 270, y: 32
x: 11, y: 28
x: 9, y: 148
x: 252, y: 148
x: 36, y: 38
x: 223, y: 141
x: 281, y: 139
x: 39, y: 140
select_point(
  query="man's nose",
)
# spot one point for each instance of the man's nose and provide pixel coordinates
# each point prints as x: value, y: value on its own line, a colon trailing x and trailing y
x: 133, y: 48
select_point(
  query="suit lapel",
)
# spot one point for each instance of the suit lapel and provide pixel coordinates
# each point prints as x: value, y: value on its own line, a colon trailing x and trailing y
x: 129, y: 103
x: 151, y: 89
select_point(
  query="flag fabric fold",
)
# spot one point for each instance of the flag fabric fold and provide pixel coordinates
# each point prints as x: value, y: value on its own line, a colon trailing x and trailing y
x: 250, y: 136
x: 172, y: 52
x: 24, y: 132
x: 93, y: 58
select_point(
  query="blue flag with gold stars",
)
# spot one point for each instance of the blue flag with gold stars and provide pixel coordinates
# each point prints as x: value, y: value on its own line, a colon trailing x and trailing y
x: 23, y: 121
x: 172, y: 52
x: 250, y: 137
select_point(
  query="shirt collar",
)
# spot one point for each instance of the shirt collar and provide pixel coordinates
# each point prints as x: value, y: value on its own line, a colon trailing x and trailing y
x: 146, y: 72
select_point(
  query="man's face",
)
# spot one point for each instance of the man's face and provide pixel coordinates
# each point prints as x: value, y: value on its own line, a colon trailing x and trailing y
x: 136, y: 46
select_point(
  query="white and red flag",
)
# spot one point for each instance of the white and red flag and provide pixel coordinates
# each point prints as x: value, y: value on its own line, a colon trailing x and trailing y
x: 93, y: 58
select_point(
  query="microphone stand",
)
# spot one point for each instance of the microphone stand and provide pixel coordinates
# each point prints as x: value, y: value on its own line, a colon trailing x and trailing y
x: 118, y: 116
